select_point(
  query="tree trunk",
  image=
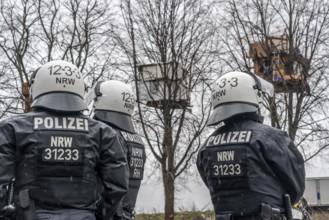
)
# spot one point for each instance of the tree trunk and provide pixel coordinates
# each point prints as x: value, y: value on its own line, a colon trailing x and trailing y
x: 169, y: 189
x: 168, y: 166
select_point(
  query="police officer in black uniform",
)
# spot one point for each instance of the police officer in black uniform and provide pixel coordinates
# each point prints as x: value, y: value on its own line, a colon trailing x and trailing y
x: 115, y: 102
x: 247, y: 166
x: 57, y: 155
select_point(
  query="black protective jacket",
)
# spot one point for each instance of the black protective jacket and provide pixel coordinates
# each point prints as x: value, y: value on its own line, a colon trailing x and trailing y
x: 136, y: 156
x: 245, y: 163
x: 60, y: 159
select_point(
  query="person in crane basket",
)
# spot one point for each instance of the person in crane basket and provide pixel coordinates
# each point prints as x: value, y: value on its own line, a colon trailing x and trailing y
x: 114, y: 105
x: 58, y: 155
x: 247, y: 166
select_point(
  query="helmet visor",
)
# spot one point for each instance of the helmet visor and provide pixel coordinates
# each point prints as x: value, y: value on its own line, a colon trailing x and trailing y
x: 226, y: 111
x: 92, y: 93
x: 65, y: 102
x: 267, y: 87
x: 118, y: 119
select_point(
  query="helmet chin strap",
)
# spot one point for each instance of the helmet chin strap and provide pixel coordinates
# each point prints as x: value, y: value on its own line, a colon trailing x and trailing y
x: 262, y: 85
x: 93, y: 93
x: 258, y: 85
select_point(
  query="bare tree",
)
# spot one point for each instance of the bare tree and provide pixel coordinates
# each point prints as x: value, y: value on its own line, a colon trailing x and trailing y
x: 175, y: 36
x: 16, y: 21
x: 304, y: 24
x: 34, y: 32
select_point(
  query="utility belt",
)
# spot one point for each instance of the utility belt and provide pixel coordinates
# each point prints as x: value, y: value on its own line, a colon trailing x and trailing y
x: 266, y: 213
x: 25, y: 206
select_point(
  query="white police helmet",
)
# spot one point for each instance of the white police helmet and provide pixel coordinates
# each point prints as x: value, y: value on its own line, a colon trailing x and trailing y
x: 235, y: 93
x: 115, y: 104
x: 58, y: 85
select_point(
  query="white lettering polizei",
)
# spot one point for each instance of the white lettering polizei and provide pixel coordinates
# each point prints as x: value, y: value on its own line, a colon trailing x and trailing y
x: 60, y: 123
x: 132, y: 137
x: 232, y: 137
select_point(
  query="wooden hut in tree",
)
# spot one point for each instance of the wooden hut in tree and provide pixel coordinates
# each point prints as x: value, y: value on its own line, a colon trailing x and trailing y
x: 278, y: 61
x: 164, y: 85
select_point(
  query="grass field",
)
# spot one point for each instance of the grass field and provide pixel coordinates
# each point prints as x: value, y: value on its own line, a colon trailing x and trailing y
x: 206, y: 215
x: 320, y: 216
x: 209, y: 215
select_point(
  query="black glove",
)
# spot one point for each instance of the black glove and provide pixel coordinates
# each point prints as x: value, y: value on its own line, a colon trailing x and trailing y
x: 8, y: 212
